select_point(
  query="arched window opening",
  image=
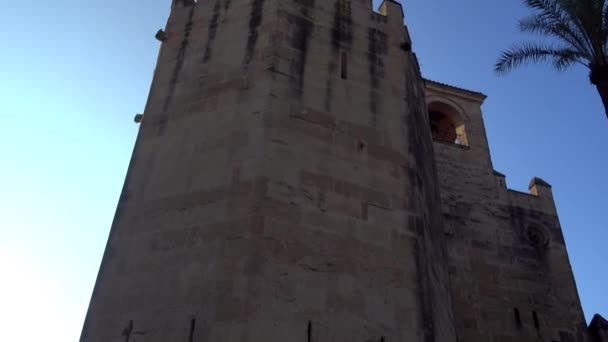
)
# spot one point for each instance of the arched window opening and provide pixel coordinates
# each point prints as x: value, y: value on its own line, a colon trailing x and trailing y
x: 442, y: 127
x: 446, y: 124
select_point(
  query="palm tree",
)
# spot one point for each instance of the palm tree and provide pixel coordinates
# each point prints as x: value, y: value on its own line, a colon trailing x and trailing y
x: 578, y: 33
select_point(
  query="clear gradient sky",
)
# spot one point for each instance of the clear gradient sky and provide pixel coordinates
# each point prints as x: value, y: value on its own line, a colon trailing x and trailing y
x: 73, y: 74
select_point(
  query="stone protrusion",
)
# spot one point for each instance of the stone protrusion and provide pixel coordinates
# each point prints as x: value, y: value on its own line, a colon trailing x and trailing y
x: 393, y: 10
x: 540, y: 188
x: 406, y: 46
x: 161, y: 35
x: 501, y: 179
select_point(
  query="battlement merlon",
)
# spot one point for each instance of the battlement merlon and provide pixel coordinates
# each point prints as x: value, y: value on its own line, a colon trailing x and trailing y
x: 599, y: 329
x: 392, y: 10
x: 540, y: 188
x: 183, y: 3
x: 539, y: 197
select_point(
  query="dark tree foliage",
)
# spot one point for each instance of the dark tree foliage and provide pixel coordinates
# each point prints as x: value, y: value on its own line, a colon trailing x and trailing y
x: 577, y: 32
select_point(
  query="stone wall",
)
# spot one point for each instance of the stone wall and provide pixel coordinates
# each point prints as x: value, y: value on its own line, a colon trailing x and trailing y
x: 192, y: 195
x: 282, y: 186
x: 509, y: 271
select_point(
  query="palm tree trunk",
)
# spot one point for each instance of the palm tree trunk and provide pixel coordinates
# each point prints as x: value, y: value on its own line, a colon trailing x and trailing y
x: 599, y: 78
x: 602, y: 89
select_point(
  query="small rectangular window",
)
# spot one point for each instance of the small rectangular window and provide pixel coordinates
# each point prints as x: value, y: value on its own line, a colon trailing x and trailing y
x: 344, y: 66
x: 517, y: 317
x: 309, y: 331
x: 536, y: 321
x: 192, y: 326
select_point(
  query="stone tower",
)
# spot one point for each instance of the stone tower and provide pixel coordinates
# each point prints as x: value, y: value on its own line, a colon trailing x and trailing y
x: 282, y: 186
x: 510, y: 277
x: 296, y: 179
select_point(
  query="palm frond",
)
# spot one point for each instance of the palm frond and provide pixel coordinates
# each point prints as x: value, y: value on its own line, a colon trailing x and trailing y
x: 535, y: 53
x: 535, y: 24
x: 547, y: 27
x: 566, y: 58
x: 541, y: 5
x: 558, y: 18
x: 585, y: 16
x: 578, y: 28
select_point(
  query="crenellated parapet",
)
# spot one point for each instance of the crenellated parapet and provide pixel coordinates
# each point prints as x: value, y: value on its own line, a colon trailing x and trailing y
x: 539, y: 196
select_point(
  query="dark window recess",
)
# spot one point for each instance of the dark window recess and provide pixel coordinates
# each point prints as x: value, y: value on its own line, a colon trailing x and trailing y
x: 565, y: 336
x: 517, y: 317
x: 128, y: 331
x: 447, y: 124
x: 192, y: 326
x: 361, y: 145
x: 443, y: 128
x: 536, y: 322
x: 344, y: 66
x: 382, y: 339
x: 309, y: 331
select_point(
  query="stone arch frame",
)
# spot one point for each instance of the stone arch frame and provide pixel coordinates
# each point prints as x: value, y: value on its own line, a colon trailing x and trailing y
x: 538, y: 235
x: 452, y: 111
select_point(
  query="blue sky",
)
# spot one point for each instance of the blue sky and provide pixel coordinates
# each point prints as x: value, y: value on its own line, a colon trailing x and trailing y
x: 74, y: 73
